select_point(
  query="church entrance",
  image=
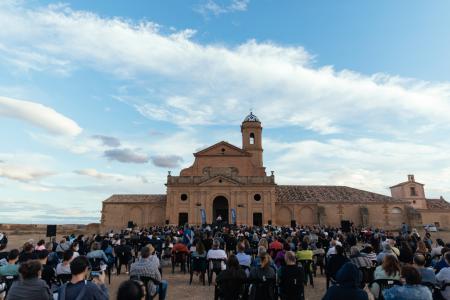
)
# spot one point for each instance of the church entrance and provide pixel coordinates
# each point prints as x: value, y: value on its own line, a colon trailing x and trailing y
x: 183, y: 219
x: 220, y: 207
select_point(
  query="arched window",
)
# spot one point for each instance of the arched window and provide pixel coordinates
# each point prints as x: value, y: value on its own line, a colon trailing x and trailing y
x: 396, y: 210
x: 252, y: 138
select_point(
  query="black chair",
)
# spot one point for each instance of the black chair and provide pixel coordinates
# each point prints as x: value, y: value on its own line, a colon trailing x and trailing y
x: 179, y: 258
x: 319, y: 261
x: 96, y: 265
x: 438, y: 291
x: 367, y: 275
x: 146, y: 280
x: 214, y: 266
x: 263, y: 289
x: 198, y: 264
x: 306, y: 264
x: 434, y: 289
x: 8, y: 280
x: 384, y: 284
x: 230, y: 289
x: 63, y: 278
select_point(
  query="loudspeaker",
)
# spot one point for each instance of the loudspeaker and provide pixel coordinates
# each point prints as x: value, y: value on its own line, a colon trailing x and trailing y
x: 51, y: 230
x: 167, y: 222
x: 345, y: 225
x: 130, y: 224
x: 293, y: 224
x: 270, y: 222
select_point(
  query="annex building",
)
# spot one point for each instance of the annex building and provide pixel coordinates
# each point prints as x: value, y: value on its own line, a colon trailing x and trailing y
x: 232, y: 182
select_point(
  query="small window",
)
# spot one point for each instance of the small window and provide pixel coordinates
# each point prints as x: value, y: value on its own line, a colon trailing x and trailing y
x: 257, y: 197
x: 183, y: 197
x: 413, y: 191
x: 252, y: 138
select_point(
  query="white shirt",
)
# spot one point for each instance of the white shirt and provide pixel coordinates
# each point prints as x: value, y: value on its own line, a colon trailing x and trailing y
x: 217, y: 254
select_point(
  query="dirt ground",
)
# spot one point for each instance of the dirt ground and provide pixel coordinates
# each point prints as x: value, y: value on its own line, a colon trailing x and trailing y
x: 179, y: 287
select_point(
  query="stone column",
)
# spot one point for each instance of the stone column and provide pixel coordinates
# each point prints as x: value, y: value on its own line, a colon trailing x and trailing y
x: 192, y: 200
x: 208, y: 208
x: 249, y: 209
x: 273, y: 214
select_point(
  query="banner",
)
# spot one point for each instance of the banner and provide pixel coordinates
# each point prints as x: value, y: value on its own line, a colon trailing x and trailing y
x: 203, y: 215
x: 233, y: 216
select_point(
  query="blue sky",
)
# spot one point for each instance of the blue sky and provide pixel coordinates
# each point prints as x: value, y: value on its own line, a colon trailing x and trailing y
x: 99, y: 98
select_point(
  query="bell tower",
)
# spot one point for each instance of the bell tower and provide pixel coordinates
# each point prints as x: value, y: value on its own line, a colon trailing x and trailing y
x: 252, y: 138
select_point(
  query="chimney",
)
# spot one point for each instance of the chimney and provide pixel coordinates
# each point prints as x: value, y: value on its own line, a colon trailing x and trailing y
x: 411, y: 178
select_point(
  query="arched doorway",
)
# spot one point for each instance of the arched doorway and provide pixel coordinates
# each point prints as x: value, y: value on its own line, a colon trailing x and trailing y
x: 220, y: 207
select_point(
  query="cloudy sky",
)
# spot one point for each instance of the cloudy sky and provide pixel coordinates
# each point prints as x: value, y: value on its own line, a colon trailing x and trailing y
x: 97, y: 98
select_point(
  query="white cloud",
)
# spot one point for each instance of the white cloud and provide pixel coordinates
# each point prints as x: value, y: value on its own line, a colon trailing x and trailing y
x: 362, y: 163
x: 99, y: 175
x: 203, y: 82
x: 126, y: 155
x: 212, y: 7
x: 38, y: 115
x: 166, y: 161
x: 24, y: 174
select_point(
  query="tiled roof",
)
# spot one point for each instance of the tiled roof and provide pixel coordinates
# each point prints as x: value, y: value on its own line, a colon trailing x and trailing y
x: 324, y: 193
x: 136, y: 199
x: 437, y: 204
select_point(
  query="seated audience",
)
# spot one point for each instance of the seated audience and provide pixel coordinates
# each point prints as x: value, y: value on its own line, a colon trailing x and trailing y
x: 124, y: 256
x: 231, y: 280
x: 359, y: 260
x: 30, y: 286
x: 148, y: 266
x: 244, y: 259
x: 12, y: 268
x: 389, y: 269
x: 27, y: 252
x: 261, y: 274
x: 291, y: 278
x: 48, y: 273
x: 216, y: 253
x: 443, y: 277
x: 335, y: 262
x: 131, y: 290
x: 80, y: 288
x: 64, y: 266
x: 348, y: 280
x: 412, y: 290
x: 427, y: 274
x: 387, y: 250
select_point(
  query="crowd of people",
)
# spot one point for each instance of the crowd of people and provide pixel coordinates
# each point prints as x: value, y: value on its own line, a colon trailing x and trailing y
x: 267, y: 262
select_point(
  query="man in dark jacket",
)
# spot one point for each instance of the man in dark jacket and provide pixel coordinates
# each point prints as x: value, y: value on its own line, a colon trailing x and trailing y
x: 348, y: 279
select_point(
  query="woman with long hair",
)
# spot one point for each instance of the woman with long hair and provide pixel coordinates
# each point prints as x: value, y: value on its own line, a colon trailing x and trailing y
x: 389, y: 269
x: 262, y: 277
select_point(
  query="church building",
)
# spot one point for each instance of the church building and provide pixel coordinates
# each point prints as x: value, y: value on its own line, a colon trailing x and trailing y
x: 231, y: 182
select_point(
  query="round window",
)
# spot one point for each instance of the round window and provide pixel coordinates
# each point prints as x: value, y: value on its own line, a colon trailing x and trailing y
x: 183, y: 197
x: 257, y: 197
